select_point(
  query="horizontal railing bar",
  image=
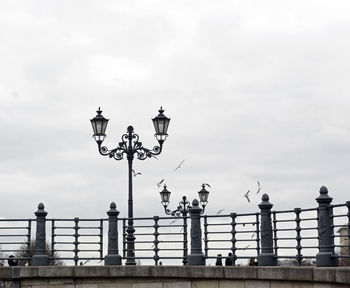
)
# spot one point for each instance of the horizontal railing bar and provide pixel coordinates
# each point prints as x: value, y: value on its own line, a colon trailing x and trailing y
x: 4, y: 243
x: 338, y: 205
x: 13, y: 227
x: 284, y: 229
x: 284, y: 220
x: 22, y: 235
x: 308, y: 219
x: 16, y: 220
x: 73, y: 220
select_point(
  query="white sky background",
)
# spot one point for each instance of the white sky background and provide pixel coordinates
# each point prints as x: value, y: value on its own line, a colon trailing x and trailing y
x: 256, y: 90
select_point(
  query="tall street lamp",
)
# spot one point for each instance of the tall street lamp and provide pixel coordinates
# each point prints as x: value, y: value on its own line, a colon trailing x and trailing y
x: 182, y: 210
x: 130, y: 146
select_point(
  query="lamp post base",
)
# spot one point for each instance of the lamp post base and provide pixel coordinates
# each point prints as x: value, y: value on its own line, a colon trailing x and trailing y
x: 326, y: 259
x: 40, y: 260
x: 196, y: 259
x: 111, y: 260
x: 267, y: 259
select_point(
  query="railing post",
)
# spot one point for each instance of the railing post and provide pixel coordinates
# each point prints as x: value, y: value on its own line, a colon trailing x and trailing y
x: 196, y: 258
x: 40, y: 258
x: 267, y: 257
x: 113, y: 258
x: 325, y: 257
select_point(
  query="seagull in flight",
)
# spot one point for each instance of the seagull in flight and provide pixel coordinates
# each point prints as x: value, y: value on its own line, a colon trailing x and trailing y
x: 179, y: 166
x: 246, y: 247
x: 160, y: 183
x: 135, y: 174
x: 259, y: 187
x: 220, y: 211
x: 205, y: 184
x: 172, y: 222
x: 246, y: 196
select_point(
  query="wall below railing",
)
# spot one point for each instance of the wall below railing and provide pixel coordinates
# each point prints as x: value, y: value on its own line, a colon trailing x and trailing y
x: 173, y: 276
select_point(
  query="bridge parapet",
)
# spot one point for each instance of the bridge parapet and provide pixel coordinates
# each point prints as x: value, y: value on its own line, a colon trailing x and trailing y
x: 173, y: 276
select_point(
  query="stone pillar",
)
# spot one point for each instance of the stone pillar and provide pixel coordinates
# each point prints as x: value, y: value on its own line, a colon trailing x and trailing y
x: 113, y: 258
x: 267, y: 257
x: 326, y: 256
x: 40, y: 258
x: 196, y: 258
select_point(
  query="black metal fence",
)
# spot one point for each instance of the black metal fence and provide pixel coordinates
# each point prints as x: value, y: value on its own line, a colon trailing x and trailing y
x: 316, y: 236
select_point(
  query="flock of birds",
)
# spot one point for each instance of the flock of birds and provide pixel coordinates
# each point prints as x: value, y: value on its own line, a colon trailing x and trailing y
x: 159, y: 184
x: 246, y: 195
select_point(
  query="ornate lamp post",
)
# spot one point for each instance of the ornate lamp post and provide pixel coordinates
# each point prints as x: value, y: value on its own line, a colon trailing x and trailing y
x: 183, y: 209
x: 130, y: 146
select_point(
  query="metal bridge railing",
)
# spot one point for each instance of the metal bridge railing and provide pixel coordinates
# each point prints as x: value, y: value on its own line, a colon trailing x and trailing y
x: 315, y: 236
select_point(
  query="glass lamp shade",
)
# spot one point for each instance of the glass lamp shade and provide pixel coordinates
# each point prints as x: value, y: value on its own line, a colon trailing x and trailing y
x: 161, y: 124
x: 99, y: 125
x: 203, y: 196
x: 165, y: 196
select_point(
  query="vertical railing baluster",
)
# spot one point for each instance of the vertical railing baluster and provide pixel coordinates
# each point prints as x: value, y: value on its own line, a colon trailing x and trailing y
x: 233, y: 238
x: 185, y: 247
x: 206, y: 236
x: 257, y: 223
x: 156, y: 241
x: 101, y: 239
x: 76, y: 240
x: 52, y: 239
x: 124, y: 238
x: 299, y: 257
x: 275, y: 231
x: 29, y: 239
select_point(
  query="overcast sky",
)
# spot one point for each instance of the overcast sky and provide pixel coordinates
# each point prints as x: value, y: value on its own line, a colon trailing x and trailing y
x: 256, y: 90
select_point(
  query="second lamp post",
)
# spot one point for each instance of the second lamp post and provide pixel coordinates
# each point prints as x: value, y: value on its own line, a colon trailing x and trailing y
x: 182, y: 210
x: 130, y: 146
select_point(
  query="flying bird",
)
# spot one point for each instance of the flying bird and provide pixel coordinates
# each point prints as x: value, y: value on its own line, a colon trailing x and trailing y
x: 220, y: 211
x: 246, y: 196
x: 246, y: 247
x: 259, y: 187
x: 152, y: 156
x: 179, y: 166
x: 251, y: 237
x: 135, y: 174
x: 205, y: 184
x: 172, y: 222
x: 160, y: 183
